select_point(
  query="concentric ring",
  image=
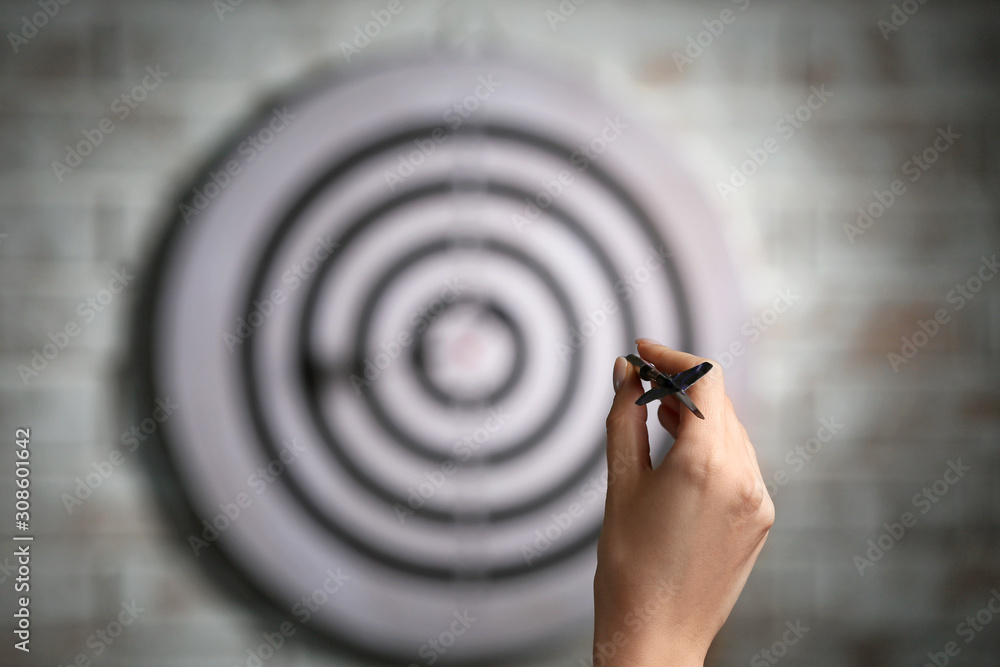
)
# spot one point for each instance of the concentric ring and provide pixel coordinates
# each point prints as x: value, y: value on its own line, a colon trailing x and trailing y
x: 363, y: 335
x: 270, y: 443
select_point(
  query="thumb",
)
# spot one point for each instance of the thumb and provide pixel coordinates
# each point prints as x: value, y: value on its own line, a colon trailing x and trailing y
x: 628, y: 440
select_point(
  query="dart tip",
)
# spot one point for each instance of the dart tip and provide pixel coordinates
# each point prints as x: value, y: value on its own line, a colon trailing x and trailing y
x: 697, y: 413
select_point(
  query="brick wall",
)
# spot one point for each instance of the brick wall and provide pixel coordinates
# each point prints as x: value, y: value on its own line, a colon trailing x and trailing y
x: 825, y: 359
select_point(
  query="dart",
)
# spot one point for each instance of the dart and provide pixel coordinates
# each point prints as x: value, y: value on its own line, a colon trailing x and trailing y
x: 666, y: 385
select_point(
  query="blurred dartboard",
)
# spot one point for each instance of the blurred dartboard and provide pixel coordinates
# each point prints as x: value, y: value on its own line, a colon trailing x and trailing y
x: 388, y: 312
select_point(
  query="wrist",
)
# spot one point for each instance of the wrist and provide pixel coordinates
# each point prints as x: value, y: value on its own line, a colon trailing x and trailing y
x: 617, y: 649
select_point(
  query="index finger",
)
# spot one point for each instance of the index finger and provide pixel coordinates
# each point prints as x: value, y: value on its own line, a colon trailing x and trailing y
x: 708, y: 393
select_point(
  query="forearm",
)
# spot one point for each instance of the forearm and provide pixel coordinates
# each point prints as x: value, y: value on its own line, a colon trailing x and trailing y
x: 615, y: 649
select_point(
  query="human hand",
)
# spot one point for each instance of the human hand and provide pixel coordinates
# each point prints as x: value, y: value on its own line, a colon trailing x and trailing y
x: 678, y: 542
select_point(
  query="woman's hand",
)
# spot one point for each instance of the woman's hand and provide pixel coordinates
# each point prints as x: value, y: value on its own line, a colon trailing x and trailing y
x: 678, y: 542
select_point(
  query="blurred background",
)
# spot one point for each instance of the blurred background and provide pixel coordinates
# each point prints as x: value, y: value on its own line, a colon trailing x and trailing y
x: 846, y: 155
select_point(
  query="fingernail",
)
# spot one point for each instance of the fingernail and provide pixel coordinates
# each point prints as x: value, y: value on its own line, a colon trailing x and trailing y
x: 619, y: 374
x: 647, y: 341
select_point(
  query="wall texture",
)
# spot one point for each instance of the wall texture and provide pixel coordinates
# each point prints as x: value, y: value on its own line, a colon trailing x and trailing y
x: 851, y: 437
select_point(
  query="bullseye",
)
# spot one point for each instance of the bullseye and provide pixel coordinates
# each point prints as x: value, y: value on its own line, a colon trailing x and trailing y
x: 471, y: 355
